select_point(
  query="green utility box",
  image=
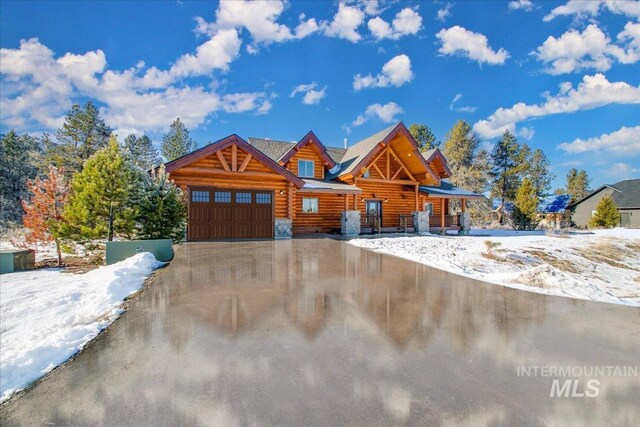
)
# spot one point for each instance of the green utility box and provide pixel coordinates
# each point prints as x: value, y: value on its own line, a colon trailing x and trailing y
x: 117, y: 251
x: 17, y: 260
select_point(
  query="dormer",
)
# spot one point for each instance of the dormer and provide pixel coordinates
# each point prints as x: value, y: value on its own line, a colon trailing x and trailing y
x: 308, y: 158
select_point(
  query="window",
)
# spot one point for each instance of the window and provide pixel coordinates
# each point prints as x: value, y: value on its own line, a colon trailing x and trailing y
x: 366, y: 174
x: 306, y: 168
x: 310, y: 205
x: 263, y: 198
x: 428, y: 207
x: 243, y: 197
x: 200, y: 196
x: 222, y: 197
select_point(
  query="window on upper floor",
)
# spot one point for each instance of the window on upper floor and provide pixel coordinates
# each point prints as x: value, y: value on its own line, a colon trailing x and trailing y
x: 306, y: 168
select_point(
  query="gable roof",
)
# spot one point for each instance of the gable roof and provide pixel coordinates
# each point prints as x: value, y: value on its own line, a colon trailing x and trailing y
x: 628, y: 194
x: 357, y: 156
x: 310, y: 137
x: 213, y: 147
x: 554, y: 204
x: 435, y: 153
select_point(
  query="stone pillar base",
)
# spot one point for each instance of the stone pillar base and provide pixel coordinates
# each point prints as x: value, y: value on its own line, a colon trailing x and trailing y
x: 465, y: 223
x: 350, y: 223
x: 283, y: 228
x: 421, y: 222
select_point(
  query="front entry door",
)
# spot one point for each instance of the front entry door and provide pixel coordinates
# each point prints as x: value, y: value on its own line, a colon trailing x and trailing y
x: 373, y: 210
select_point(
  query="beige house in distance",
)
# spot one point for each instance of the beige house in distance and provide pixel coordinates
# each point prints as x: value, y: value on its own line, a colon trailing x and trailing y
x: 626, y: 195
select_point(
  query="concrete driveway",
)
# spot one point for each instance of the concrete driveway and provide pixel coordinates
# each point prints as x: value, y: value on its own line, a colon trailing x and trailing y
x: 317, y: 332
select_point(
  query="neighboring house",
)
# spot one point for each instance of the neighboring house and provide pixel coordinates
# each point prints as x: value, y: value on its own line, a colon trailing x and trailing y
x: 264, y: 188
x: 626, y: 195
x: 553, y: 212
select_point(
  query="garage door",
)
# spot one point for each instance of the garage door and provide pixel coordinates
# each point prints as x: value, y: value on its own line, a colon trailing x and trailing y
x: 216, y: 213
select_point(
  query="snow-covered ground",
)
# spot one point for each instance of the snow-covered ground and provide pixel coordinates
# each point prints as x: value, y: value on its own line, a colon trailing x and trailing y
x: 603, y: 265
x: 47, y: 315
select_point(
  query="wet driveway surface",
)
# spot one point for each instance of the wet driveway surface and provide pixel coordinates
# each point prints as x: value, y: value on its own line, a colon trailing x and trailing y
x: 317, y: 332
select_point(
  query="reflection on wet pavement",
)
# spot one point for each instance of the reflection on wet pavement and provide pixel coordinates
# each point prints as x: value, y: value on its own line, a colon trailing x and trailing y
x: 318, y: 332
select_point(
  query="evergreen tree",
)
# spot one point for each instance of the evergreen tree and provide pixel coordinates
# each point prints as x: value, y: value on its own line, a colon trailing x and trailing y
x: 469, y: 166
x: 461, y: 145
x: 81, y: 136
x: 506, y: 167
x: 177, y: 143
x: 577, y: 184
x: 101, y: 200
x: 539, y: 171
x: 43, y: 213
x: 19, y: 156
x: 606, y: 214
x: 424, y: 136
x: 526, y: 206
x: 162, y: 209
x: 141, y: 151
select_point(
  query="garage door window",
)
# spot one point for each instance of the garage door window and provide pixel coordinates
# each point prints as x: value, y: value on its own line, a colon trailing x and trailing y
x: 310, y: 205
x: 263, y: 198
x: 243, y: 197
x: 200, y: 196
x: 222, y: 197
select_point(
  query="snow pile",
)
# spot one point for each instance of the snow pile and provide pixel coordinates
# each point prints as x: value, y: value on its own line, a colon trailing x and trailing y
x: 602, y: 266
x: 48, y: 315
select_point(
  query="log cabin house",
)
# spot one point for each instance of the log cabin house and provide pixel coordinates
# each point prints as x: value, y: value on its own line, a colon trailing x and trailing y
x: 263, y: 188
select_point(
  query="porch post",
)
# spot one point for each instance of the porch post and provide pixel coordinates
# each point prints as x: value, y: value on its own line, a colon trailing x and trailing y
x: 442, y: 202
x: 465, y: 220
x: 464, y: 204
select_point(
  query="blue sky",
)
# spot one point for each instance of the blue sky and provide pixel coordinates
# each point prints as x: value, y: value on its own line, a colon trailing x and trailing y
x: 565, y: 77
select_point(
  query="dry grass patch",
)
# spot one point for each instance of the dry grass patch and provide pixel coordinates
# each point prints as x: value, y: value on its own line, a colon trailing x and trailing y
x: 560, y: 264
x: 606, y: 253
x: 634, y: 245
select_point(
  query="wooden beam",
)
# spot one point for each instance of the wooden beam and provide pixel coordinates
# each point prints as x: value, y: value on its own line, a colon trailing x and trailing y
x: 396, y: 174
x: 378, y: 170
x: 234, y: 157
x: 442, y: 201
x: 378, y: 157
x: 290, y: 202
x: 355, y: 202
x: 402, y: 164
x: 416, y: 195
x: 388, y: 181
x: 225, y: 165
x: 245, y: 162
x: 464, y: 204
x: 388, y: 163
x: 186, y: 171
x: 346, y: 202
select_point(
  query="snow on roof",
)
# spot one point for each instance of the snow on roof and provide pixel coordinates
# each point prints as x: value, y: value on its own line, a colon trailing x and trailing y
x: 554, y: 204
x: 314, y: 184
x: 446, y: 189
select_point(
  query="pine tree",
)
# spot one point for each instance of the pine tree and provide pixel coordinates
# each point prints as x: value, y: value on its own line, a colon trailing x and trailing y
x: 43, y: 212
x: 469, y: 166
x: 506, y: 167
x: 539, y: 171
x: 177, y: 143
x: 424, y: 136
x: 101, y: 200
x: 19, y: 156
x: 461, y: 145
x: 140, y: 151
x: 81, y: 136
x: 526, y: 206
x: 606, y: 214
x: 162, y: 209
x: 577, y: 184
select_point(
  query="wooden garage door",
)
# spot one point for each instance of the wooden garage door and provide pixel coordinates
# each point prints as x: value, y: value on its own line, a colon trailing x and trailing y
x: 218, y: 213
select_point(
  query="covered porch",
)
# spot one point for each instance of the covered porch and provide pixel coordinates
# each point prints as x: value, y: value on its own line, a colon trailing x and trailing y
x: 441, y: 219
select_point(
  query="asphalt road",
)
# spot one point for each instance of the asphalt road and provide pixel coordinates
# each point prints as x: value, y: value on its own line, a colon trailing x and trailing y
x: 318, y: 332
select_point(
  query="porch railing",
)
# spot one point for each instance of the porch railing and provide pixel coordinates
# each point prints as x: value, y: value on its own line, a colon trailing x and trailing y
x: 372, y: 221
x: 449, y: 221
x: 406, y: 222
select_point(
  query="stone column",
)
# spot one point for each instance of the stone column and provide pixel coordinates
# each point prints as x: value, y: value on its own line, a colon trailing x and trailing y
x: 350, y: 223
x: 465, y: 223
x: 421, y: 222
x: 283, y: 228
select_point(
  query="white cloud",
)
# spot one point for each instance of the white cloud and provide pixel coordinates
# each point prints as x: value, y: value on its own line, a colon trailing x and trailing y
x: 345, y: 23
x: 623, y: 141
x: 591, y: 8
x: 475, y: 46
x: 311, y: 94
x: 527, y: 132
x: 396, y: 72
x: 444, y: 13
x: 465, y: 109
x: 620, y: 170
x: 525, y: 5
x: 591, y: 48
x: 387, y: 113
x: 593, y: 92
x: 306, y: 27
x: 371, y: 7
x: 38, y: 89
x: 406, y: 22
